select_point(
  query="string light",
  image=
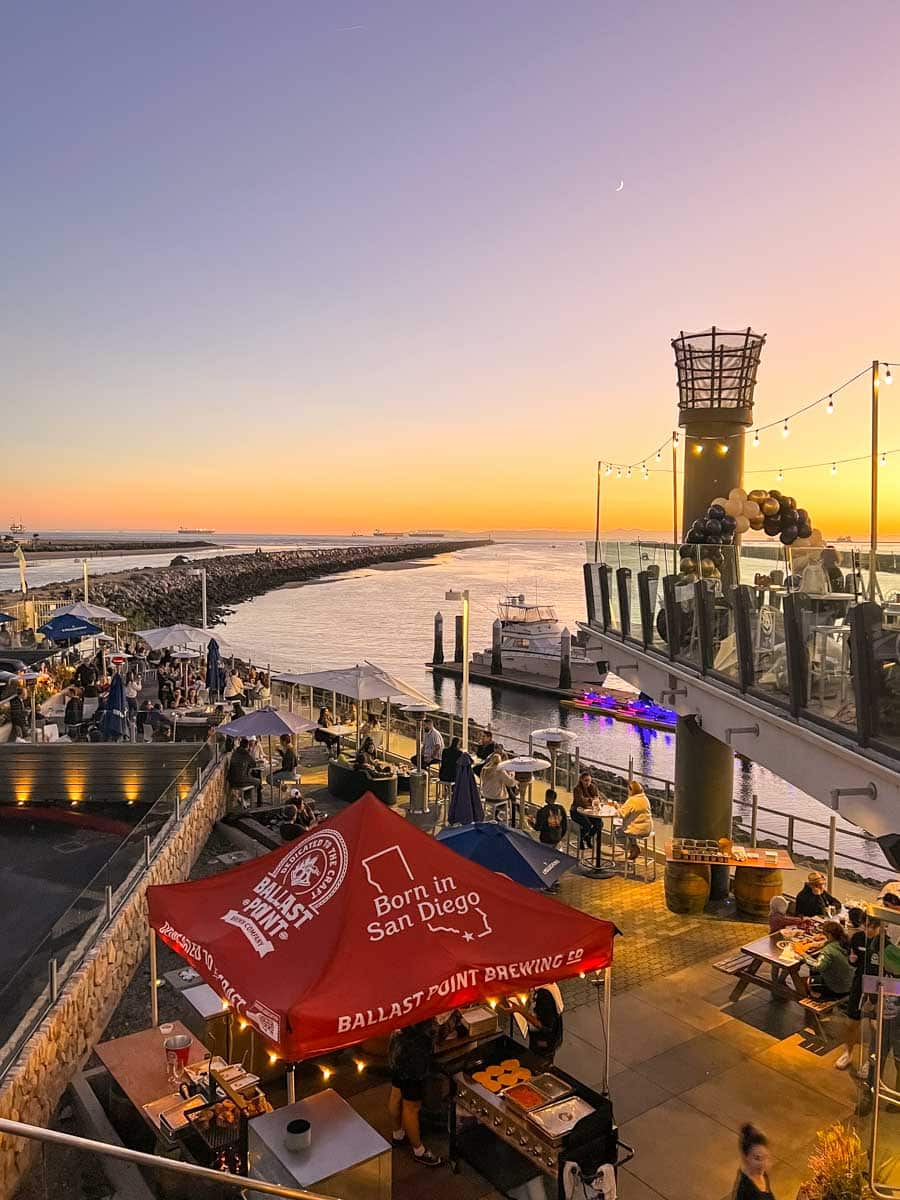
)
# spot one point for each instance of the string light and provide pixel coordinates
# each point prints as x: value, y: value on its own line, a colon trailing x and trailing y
x: 888, y: 377
x: 883, y: 459
x: 628, y: 472
x: 780, y: 474
x: 659, y: 456
x: 755, y: 437
x: 785, y: 432
x: 698, y: 447
x: 723, y: 448
x: 834, y: 468
x: 609, y: 468
x: 618, y: 472
x: 830, y: 406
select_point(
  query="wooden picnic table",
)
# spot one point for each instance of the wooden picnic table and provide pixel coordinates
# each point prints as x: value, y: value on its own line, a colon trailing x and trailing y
x: 783, y: 979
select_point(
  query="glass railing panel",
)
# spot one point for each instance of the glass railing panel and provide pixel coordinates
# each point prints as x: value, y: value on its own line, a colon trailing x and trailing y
x: 771, y: 677
x: 27, y: 989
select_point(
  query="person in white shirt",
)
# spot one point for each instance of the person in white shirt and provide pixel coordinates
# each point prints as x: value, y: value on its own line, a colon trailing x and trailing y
x: 432, y: 746
x: 132, y: 691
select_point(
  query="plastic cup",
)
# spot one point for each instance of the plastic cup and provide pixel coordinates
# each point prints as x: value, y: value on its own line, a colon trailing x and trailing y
x: 178, y: 1049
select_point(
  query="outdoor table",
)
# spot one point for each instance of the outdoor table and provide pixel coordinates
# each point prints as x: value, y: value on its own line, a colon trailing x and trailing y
x: 750, y: 900
x: 597, y: 814
x: 345, y: 1157
x: 339, y: 731
x: 137, y: 1065
x: 783, y: 979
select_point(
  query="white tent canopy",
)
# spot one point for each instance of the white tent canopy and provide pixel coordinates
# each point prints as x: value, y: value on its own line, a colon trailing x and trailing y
x: 362, y: 682
x: 89, y: 612
x: 169, y: 636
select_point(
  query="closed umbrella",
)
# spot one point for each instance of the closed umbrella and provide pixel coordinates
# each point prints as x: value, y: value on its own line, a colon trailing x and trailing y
x: 510, y: 852
x: 465, y: 802
x: 212, y: 669
x: 114, y: 722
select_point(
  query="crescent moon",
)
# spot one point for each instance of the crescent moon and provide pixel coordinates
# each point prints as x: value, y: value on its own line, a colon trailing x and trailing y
x: 621, y: 185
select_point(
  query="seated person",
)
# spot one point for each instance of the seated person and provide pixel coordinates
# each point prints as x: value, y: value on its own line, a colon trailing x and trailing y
x: 497, y: 783
x: 330, y: 740
x: 637, y: 818
x: 585, y: 794
x: 550, y: 821
x: 831, y: 972
x: 485, y: 748
x: 288, y: 756
x: 812, y: 899
x: 780, y: 919
x: 298, y: 819
x: 242, y: 771
x: 372, y: 729
x: 365, y: 760
x: 5, y: 636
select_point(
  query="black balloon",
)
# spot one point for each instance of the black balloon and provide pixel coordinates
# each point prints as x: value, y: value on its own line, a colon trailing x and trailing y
x: 772, y: 525
x: 790, y: 516
x: 713, y: 525
x: 804, y: 529
x: 789, y: 535
x: 803, y: 516
x: 698, y: 524
x: 696, y: 537
x: 715, y: 512
x: 729, y: 524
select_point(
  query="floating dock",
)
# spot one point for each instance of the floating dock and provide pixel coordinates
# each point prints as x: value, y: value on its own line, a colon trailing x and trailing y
x: 524, y: 683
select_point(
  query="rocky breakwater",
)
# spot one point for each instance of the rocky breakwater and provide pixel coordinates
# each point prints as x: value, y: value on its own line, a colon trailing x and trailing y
x: 152, y: 596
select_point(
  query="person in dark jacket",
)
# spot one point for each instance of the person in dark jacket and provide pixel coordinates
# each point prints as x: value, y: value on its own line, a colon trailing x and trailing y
x: 74, y: 715
x: 550, y: 822
x: 485, y: 748
x: 409, y: 1058
x: 18, y: 716
x: 812, y: 899
x: 449, y: 762
x: 242, y: 771
x: 752, y: 1181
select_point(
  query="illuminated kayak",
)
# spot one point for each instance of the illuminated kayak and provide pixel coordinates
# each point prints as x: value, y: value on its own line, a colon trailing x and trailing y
x: 636, y: 712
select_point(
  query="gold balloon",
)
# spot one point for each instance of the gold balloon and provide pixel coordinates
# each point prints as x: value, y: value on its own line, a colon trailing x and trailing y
x: 687, y: 566
x: 757, y: 522
x: 759, y: 495
x: 707, y: 566
x: 771, y: 507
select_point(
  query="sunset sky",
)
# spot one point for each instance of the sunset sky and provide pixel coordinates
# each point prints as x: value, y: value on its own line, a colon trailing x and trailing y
x: 318, y: 267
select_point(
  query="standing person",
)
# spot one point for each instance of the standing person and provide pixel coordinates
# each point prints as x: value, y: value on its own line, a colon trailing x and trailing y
x: 132, y: 691
x: 449, y: 762
x: 409, y: 1058
x: 585, y: 795
x: 74, y: 714
x: 550, y: 820
x: 812, y: 899
x: 485, y: 748
x: 752, y: 1181
x: 637, y: 817
x: 540, y: 1017
x: 861, y: 930
x: 18, y: 716
x: 432, y: 746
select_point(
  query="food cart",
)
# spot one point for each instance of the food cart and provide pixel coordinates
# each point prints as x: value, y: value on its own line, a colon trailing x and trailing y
x: 365, y: 925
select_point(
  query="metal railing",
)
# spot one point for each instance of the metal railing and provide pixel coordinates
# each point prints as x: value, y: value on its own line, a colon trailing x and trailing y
x: 154, y: 1161
x: 26, y: 997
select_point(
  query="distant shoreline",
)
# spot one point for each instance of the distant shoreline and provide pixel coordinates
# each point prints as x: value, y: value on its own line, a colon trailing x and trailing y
x: 57, y: 550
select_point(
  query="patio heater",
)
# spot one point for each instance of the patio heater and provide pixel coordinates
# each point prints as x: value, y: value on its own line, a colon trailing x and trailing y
x: 716, y: 373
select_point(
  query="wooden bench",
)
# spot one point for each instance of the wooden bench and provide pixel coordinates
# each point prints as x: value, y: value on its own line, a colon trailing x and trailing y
x: 735, y: 965
x: 818, y: 1011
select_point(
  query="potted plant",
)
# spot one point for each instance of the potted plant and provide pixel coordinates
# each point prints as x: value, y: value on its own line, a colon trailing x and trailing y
x: 837, y: 1167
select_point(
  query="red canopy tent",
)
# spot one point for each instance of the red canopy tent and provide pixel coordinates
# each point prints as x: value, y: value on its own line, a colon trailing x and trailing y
x: 366, y: 924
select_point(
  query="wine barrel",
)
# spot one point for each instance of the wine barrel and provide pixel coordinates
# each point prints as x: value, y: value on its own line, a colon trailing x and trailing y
x: 754, y: 887
x: 687, y: 887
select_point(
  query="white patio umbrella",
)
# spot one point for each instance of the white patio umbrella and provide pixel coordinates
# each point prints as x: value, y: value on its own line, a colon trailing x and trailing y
x: 89, y: 612
x: 167, y: 637
x: 554, y: 739
x: 365, y: 681
x: 526, y: 766
x: 267, y: 722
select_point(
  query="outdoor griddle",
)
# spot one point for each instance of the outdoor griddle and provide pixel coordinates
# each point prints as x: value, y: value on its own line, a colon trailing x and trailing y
x: 510, y: 1143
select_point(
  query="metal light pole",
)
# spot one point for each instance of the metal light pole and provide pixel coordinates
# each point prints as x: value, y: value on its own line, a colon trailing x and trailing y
x: 464, y: 597
x: 201, y: 571
x: 597, y: 517
x: 84, y: 570
x: 873, y: 498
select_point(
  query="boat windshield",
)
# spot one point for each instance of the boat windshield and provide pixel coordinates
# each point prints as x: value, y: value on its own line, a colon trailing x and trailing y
x: 528, y: 614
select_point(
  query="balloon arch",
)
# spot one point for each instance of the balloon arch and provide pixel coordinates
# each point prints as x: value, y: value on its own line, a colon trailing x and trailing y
x: 772, y: 512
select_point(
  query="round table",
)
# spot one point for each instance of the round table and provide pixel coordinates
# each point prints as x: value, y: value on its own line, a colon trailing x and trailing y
x: 597, y: 814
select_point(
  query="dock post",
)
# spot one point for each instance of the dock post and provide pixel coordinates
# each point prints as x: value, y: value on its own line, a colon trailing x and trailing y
x: 565, y: 661
x: 437, y: 656
x: 458, y: 651
x: 496, y: 656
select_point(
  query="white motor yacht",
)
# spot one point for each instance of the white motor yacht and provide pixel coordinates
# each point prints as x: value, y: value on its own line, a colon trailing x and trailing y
x: 530, y: 646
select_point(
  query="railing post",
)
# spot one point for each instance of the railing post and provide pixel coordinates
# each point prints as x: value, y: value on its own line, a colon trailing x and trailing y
x: 790, y: 835
x: 754, y: 820
x: 177, y: 806
x: 109, y: 902
x: 146, y: 849
x: 832, y: 839
x: 54, y: 980
x: 577, y: 766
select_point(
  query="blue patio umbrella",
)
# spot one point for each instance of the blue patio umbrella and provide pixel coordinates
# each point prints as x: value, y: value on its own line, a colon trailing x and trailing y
x: 510, y: 852
x: 114, y: 722
x: 212, y: 669
x: 465, y: 800
x: 4, y: 617
x: 67, y: 628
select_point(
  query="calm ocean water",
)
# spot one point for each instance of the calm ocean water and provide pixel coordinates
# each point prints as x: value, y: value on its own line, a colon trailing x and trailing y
x: 386, y: 615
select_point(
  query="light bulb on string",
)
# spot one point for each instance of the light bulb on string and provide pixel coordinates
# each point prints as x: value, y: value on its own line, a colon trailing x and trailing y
x: 723, y: 448
x: 628, y: 472
x: 780, y: 474
x: 888, y: 377
x: 609, y: 468
x: 829, y: 407
x: 618, y: 472
x: 659, y: 456
x: 785, y: 432
x: 834, y: 468
x: 883, y: 459
x: 755, y: 437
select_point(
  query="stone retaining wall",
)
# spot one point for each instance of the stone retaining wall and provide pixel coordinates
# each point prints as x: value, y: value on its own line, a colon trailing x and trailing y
x: 34, y: 1085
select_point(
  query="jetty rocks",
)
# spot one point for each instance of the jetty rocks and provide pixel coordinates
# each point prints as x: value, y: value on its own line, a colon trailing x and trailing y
x: 152, y: 596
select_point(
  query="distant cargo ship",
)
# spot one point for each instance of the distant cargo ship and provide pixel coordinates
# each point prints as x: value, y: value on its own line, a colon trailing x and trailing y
x: 427, y: 533
x: 184, y: 529
x: 381, y: 533
x: 16, y: 527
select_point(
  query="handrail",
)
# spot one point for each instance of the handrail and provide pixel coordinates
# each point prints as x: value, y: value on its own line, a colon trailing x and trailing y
x: 154, y: 1161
